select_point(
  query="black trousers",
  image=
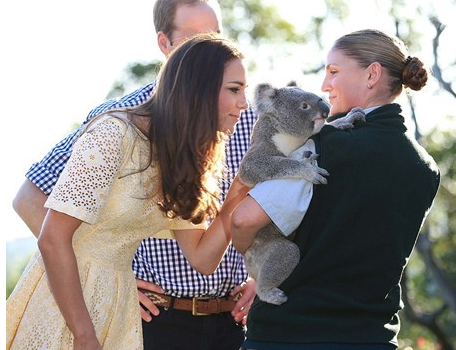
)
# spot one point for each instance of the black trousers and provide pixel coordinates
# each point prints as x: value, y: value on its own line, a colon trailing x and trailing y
x: 180, y: 330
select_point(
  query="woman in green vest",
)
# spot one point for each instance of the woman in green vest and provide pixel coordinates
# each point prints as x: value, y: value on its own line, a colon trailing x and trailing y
x: 360, y: 229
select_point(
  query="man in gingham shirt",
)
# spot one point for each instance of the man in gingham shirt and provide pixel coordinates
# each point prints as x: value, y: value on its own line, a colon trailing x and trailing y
x: 159, y: 262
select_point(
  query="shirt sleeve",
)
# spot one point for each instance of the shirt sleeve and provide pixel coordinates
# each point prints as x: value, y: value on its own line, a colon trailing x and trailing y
x: 45, y: 173
x: 85, y: 182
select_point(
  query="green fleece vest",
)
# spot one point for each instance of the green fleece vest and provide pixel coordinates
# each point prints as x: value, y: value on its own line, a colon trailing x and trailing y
x: 356, y: 237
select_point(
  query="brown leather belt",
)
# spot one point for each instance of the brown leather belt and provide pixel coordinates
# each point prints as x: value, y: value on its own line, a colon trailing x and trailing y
x: 198, y: 306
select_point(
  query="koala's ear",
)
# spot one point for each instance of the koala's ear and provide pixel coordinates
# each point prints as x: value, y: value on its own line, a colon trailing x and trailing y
x: 264, y: 94
x: 265, y: 90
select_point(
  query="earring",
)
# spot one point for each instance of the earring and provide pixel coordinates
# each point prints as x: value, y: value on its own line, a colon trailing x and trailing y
x: 369, y: 86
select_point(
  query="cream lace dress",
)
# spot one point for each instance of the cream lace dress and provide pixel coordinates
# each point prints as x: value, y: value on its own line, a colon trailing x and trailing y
x: 98, y: 187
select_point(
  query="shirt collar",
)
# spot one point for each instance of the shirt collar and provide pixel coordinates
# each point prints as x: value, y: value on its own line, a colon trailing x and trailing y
x: 370, y: 109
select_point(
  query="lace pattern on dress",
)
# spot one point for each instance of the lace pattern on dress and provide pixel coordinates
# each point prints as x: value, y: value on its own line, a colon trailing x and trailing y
x: 85, y: 182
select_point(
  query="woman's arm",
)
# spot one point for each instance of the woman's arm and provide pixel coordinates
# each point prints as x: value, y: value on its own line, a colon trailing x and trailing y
x: 205, y: 249
x: 55, y: 244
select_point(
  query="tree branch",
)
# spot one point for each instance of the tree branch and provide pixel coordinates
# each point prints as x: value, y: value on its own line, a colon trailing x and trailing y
x: 314, y: 70
x: 424, y: 247
x: 437, y: 72
x: 413, y: 116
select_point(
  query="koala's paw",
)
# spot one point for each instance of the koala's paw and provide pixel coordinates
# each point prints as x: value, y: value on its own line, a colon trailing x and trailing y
x: 316, y: 175
x: 356, y: 114
x: 273, y: 296
x: 348, y: 121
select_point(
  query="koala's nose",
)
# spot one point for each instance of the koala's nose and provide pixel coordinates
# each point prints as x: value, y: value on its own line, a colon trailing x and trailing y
x: 323, y: 107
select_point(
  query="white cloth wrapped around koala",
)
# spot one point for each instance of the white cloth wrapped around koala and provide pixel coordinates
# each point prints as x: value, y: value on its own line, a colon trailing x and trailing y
x: 286, y: 200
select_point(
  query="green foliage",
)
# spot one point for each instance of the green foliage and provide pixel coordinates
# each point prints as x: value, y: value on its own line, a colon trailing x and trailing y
x: 134, y: 76
x: 441, y: 143
x: 256, y: 23
x: 339, y: 9
x: 414, y: 336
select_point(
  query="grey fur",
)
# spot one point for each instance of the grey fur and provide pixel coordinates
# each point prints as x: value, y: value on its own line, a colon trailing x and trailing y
x: 286, y: 119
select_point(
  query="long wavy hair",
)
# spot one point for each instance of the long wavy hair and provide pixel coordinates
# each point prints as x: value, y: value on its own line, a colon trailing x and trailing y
x: 186, y: 145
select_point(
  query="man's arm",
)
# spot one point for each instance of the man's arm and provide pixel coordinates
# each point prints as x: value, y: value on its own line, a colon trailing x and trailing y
x: 29, y: 200
x: 29, y: 205
x: 246, y: 294
x: 147, y: 307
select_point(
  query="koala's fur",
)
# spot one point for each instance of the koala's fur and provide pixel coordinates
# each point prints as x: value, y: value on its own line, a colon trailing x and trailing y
x: 287, y: 117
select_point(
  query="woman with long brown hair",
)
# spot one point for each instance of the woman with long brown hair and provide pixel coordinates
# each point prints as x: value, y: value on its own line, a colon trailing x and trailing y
x: 152, y: 168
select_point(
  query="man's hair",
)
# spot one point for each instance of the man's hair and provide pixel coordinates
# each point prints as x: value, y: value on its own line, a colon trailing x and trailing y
x: 165, y: 13
x: 187, y: 147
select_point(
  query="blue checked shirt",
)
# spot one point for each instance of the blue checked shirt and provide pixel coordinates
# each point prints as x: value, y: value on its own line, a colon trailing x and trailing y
x: 161, y: 261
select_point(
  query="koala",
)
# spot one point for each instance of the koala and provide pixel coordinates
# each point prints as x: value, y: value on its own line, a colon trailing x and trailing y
x: 287, y: 117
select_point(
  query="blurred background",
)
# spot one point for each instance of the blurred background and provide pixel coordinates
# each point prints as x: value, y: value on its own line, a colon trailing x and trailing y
x: 60, y: 59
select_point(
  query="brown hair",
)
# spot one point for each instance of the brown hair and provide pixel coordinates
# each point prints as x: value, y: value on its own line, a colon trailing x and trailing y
x: 369, y: 45
x: 165, y: 13
x: 187, y: 146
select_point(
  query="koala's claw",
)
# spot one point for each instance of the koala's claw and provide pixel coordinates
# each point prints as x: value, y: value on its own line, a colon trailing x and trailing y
x: 355, y: 114
x: 347, y: 122
x: 320, y: 176
x: 315, y: 174
x: 320, y: 180
x: 322, y: 171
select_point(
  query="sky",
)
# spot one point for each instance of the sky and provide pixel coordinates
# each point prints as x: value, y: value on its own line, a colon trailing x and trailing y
x: 60, y: 59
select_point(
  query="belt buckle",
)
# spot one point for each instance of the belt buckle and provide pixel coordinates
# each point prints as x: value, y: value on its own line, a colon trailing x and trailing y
x: 194, y: 306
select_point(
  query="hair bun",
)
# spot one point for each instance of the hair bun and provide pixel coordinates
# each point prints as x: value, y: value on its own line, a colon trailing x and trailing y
x: 414, y: 75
